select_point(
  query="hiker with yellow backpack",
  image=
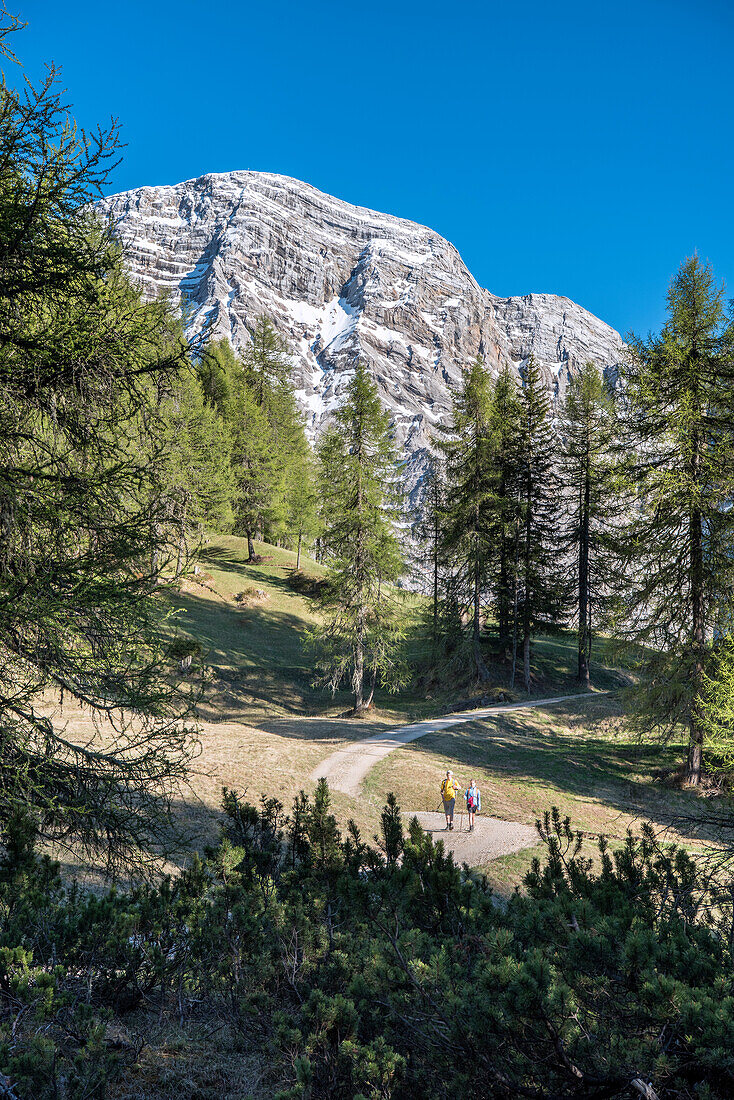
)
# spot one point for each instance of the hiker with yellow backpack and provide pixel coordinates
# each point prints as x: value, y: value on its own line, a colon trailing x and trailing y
x: 449, y: 790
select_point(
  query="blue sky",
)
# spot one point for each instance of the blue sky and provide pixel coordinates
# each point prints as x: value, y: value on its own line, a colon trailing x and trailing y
x: 577, y: 148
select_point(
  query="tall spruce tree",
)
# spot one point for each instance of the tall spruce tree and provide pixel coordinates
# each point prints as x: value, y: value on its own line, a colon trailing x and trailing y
x: 428, y: 533
x: 359, y: 493
x: 678, y: 390
x: 504, y: 507
x: 591, y: 502
x: 539, y: 604
x: 468, y: 450
x: 83, y: 505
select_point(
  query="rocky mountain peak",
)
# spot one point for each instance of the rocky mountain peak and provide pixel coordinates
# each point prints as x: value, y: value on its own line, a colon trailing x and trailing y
x: 342, y: 282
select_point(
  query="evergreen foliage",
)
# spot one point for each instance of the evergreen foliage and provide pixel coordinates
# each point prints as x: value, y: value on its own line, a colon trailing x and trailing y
x: 592, y: 503
x: 386, y: 972
x: 199, y: 479
x: 301, y: 518
x: 678, y: 390
x: 83, y: 499
x: 468, y: 451
x: 253, y: 465
x: 540, y: 605
x: 221, y: 376
x: 359, y: 497
x: 431, y: 560
x: 506, y: 513
x: 272, y: 483
x: 266, y: 361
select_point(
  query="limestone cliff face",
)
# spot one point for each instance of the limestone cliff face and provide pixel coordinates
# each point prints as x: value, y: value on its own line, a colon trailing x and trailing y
x: 342, y: 283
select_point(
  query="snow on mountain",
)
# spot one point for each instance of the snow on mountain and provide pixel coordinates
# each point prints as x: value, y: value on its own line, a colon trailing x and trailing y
x: 342, y: 282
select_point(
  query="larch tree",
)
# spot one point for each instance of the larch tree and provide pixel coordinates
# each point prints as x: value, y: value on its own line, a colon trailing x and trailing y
x: 678, y: 391
x: 83, y: 504
x: 221, y: 375
x: 252, y: 464
x: 199, y: 481
x: 266, y: 360
x: 301, y: 505
x: 359, y: 496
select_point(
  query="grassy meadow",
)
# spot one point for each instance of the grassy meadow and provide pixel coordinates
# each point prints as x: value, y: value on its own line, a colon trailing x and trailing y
x: 265, y: 727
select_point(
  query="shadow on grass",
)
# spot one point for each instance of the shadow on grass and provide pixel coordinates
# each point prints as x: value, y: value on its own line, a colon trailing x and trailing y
x: 577, y: 765
x: 249, y: 637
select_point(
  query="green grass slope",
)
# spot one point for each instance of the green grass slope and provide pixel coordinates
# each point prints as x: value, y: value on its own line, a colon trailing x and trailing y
x: 257, y: 646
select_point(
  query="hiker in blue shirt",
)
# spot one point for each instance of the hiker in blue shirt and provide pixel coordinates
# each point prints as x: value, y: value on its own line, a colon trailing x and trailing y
x: 473, y: 799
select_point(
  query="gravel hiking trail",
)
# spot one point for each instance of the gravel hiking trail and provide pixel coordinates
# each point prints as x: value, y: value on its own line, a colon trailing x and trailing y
x: 346, y: 768
x: 490, y: 838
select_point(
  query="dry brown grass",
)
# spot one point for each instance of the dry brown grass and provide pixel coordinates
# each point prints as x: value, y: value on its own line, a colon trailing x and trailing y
x: 273, y: 758
x: 577, y: 756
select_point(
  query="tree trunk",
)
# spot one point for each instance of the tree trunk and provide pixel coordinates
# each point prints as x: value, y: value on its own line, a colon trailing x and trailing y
x: 482, y: 670
x: 695, y: 743
x: 155, y: 557
x: 583, y: 670
x: 181, y: 547
x: 250, y: 547
x: 371, y: 696
x: 515, y: 602
x: 503, y: 602
x: 359, y: 663
x: 527, y: 620
x: 435, y: 590
x: 526, y: 660
x: 298, y: 552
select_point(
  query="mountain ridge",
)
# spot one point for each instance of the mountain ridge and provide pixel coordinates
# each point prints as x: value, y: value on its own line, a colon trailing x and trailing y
x: 343, y: 282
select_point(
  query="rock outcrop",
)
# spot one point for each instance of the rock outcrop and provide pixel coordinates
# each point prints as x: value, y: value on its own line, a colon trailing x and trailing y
x: 342, y: 283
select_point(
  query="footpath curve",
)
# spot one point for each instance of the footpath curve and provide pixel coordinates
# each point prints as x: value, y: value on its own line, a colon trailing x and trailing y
x: 346, y: 768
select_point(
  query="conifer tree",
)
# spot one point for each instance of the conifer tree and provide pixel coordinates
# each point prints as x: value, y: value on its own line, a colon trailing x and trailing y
x: 252, y: 464
x: 221, y: 375
x: 428, y: 532
x: 678, y: 389
x: 266, y: 361
x: 359, y: 495
x: 587, y: 427
x: 301, y: 505
x: 539, y: 604
x: 468, y: 448
x: 290, y: 455
x: 270, y: 454
x: 505, y: 512
x: 83, y: 502
x: 199, y: 480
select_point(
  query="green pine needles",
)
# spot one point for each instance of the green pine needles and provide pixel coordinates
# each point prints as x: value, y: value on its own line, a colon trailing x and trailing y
x: 360, y: 498
x: 678, y: 423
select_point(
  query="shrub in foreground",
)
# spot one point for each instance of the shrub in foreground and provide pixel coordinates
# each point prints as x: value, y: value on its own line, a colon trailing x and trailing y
x: 382, y: 971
